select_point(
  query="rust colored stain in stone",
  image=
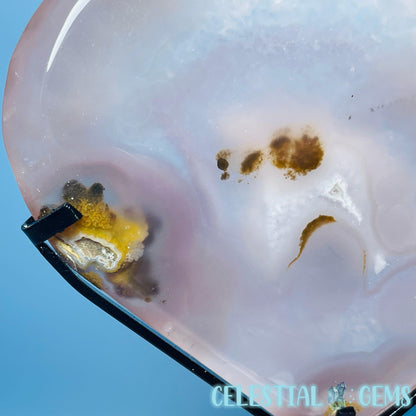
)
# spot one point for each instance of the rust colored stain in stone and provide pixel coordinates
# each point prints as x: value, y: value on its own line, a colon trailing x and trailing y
x: 310, y: 228
x: 251, y: 162
x: 222, y: 163
x: 225, y: 176
x: 295, y: 155
x: 298, y: 156
x: 280, y: 151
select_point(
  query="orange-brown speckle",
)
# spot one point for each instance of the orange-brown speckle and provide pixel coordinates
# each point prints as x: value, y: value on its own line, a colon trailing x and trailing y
x: 251, y: 162
x: 222, y: 163
x: 298, y: 156
x: 309, y: 230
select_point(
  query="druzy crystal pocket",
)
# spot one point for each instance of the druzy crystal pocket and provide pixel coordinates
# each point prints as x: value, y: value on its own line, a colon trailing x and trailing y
x: 245, y: 171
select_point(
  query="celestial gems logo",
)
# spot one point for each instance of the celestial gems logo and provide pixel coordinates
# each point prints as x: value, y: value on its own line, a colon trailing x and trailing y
x: 308, y: 396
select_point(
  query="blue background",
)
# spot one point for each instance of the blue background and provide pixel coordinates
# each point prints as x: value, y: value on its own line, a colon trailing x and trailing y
x: 59, y: 354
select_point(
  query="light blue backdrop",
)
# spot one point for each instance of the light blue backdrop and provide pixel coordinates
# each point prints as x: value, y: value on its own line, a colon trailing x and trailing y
x: 59, y: 354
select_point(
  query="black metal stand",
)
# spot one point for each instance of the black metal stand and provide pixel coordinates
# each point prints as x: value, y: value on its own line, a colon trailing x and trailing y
x: 401, y: 410
x: 55, y: 222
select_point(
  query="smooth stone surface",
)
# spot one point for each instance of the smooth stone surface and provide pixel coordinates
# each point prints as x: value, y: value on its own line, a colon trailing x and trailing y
x: 98, y: 92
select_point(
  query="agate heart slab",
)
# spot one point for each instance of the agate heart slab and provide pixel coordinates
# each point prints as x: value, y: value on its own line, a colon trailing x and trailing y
x: 245, y: 171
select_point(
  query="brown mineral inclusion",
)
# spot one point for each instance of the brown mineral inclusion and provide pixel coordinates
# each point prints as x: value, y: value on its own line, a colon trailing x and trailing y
x: 298, y: 156
x: 222, y: 163
x: 309, y: 230
x: 252, y: 162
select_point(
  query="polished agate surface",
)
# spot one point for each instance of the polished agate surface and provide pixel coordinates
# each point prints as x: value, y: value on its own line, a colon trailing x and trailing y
x: 261, y: 155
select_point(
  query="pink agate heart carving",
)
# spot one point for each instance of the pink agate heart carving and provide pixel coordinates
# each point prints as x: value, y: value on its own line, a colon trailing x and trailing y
x: 246, y: 174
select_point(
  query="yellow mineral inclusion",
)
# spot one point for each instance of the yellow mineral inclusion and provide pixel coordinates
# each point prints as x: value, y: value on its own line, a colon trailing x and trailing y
x: 102, y: 237
x: 331, y: 412
x: 94, y: 278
